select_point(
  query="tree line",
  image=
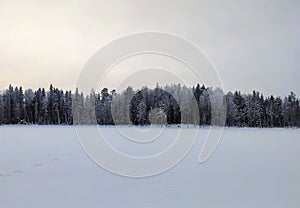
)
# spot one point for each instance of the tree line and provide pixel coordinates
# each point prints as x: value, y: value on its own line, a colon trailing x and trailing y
x: 172, y: 104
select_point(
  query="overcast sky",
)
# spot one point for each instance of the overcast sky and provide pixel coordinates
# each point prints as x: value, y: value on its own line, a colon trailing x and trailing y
x: 253, y: 44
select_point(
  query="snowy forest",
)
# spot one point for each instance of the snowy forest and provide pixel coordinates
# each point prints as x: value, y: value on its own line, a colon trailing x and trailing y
x: 172, y: 104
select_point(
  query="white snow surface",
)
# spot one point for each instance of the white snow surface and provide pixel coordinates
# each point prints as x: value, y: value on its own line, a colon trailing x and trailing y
x: 45, y: 166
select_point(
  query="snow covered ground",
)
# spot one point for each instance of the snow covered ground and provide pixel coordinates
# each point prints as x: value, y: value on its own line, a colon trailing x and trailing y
x: 43, y: 166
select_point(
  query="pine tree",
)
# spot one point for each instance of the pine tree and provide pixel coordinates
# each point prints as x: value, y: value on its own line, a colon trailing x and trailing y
x: 232, y: 111
x: 1, y: 109
x: 298, y: 113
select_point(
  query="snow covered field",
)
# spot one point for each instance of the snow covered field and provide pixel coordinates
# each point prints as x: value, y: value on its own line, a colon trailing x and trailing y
x: 44, y: 166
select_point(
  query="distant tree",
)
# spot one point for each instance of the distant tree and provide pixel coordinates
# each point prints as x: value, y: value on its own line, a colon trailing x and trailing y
x: 241, y: 108
x: 78, y: 108
x: 298, y: 113
x: 1, y: 109
x: 232, y: 118
x: 290, y: 110
x: 278, y: 112
x: 68, y: 108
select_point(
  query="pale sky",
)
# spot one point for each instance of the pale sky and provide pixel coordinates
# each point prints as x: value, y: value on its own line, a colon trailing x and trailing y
x: 253, y: 44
